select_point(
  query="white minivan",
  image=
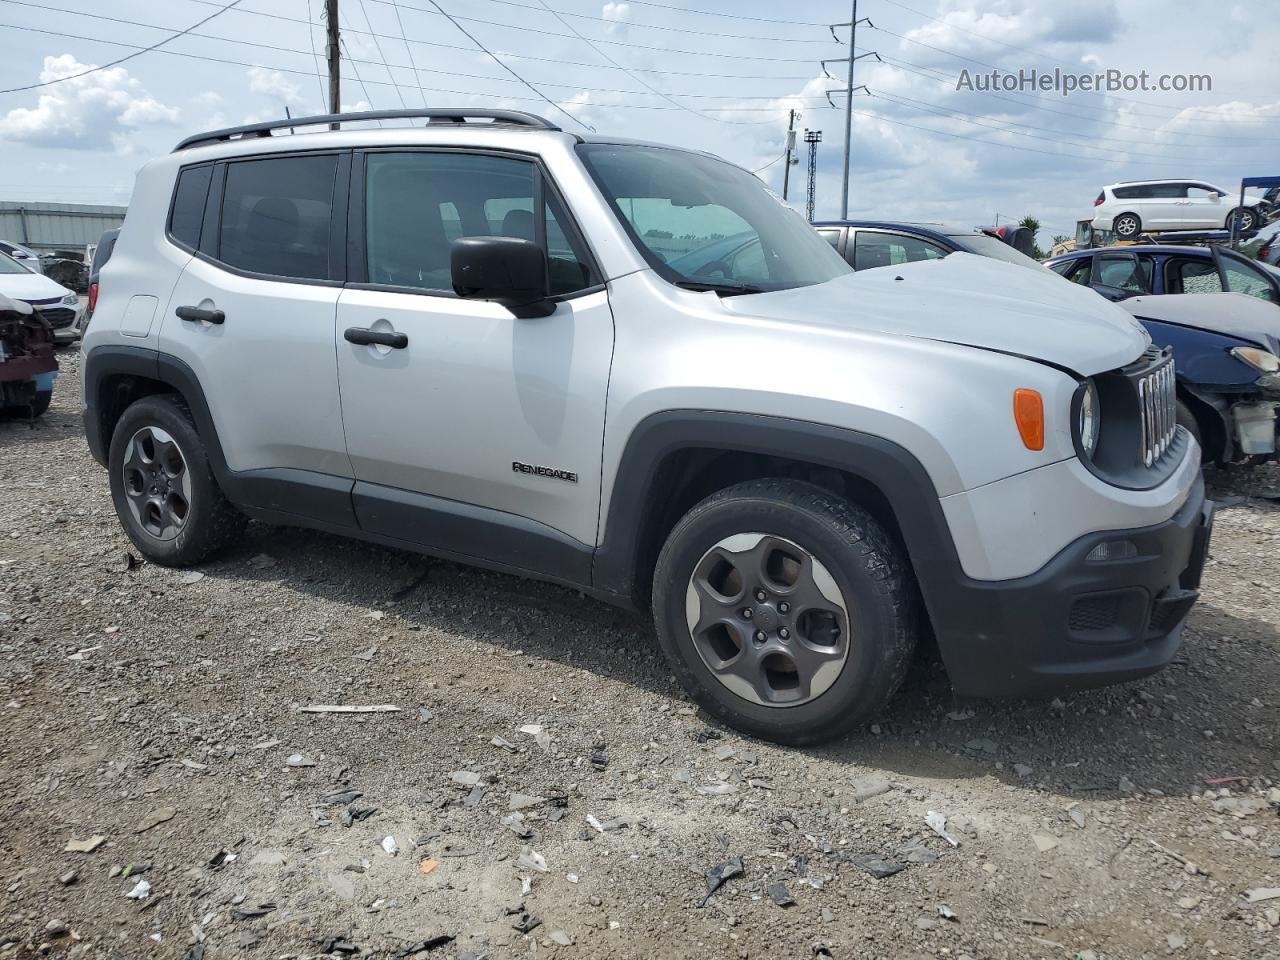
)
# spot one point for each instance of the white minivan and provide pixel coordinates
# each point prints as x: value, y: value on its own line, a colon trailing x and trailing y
x: 1151, y: 205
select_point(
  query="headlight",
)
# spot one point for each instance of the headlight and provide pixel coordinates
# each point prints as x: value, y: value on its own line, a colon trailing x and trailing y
x: 1087, y: 419
x: 1256, y: 357
x: 71, y: 300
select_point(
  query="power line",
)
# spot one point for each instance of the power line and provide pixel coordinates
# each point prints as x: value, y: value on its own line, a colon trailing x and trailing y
x: 451, y: 73
x: 451, y: 46
x: 646, y: 26
x: 640, y: 80
x: 311, y: 40
x: 726, y: 16
x: 769, y: 164
x: 360, y: 80
x: 463, y: 30
x: 113, y: 63
x: 381, y: 56
x: 408, y: 49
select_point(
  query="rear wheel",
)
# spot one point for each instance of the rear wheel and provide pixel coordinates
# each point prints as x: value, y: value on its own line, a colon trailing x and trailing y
x: 785, y: 610
x: 1127, y: 226
x: 40, y: 402
x: 1245, y: 217
x: 163, y: 487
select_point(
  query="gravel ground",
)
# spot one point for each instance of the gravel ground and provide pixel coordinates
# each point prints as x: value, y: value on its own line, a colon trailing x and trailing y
x: 160, y: 710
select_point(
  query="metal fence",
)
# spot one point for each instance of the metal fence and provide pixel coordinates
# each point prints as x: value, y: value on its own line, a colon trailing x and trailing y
x: 48, y: 227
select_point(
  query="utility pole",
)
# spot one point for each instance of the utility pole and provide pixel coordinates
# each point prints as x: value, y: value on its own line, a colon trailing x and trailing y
x: 332, y: 57
x: 812, y: 138
x: 791, y: 154
x: 848, y: 97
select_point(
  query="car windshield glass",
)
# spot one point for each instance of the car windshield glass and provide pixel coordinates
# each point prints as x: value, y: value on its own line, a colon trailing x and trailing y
x: 985, y: 246
x: 10, y: 265
x: 706, y: 224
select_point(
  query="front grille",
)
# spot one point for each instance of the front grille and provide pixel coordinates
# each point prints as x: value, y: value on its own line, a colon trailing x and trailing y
x: 1158, y: 406
x: 58, y: 317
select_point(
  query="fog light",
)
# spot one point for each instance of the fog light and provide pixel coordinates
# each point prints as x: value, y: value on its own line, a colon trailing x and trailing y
x: 1112, y: 550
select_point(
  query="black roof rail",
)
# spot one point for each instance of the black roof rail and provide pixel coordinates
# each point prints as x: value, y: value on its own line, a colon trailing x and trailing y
x: 434, y: 115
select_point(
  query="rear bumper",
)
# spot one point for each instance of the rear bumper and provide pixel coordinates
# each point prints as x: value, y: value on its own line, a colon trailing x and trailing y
x: 1080, y: 621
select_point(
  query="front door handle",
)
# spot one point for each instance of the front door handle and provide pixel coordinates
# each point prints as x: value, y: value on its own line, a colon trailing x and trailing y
x: 384, y: 338
x: 197, y: 314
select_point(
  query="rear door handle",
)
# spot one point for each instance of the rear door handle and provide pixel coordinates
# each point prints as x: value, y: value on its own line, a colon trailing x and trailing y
x: 384, y: 338
x: 197, y: 314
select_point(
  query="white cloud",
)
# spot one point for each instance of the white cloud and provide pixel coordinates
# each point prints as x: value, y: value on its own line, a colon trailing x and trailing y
x: 84, y: 112
x: 273, y: 83
x: 616, y: 14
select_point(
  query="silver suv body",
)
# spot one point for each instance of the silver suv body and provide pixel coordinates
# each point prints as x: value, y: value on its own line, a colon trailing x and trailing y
x: 469, y: 339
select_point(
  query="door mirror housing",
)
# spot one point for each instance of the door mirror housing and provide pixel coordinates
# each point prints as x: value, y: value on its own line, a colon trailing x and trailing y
x: 504, y: 270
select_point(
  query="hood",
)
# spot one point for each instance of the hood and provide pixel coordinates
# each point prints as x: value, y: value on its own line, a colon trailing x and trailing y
x: 30, y: 286
x: 969, y: 300
x: 1234, y: 314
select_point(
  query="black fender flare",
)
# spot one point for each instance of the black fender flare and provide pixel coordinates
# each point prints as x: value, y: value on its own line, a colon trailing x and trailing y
x: 284, y: 491
x: 889, y: 467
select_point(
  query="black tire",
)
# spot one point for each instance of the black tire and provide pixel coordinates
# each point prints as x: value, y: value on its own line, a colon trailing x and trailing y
x: 40, y: 402
x: 1127, y: 226
x: 1247, y: 216
x: 208, y: 522
x: 867, y: 568
x: 1188, y: 419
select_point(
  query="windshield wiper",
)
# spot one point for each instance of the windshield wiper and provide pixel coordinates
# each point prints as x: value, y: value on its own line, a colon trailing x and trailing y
x: 721, y: 288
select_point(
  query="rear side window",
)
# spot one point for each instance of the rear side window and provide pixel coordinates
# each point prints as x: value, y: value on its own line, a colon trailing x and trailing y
x: 188, y: 204
x: 887, y: 249
x: 1132, y: 193
x: 276, y: 216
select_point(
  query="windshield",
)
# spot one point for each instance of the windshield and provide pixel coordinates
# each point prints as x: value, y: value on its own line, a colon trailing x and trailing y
x: 985, y: 246
x: 706, y: 224
x: 10, y: 265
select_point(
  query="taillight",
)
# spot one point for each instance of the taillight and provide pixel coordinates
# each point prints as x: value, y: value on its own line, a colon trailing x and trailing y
x: 1264, y: 252
x: 1100, y: 199
x: 93, y: 298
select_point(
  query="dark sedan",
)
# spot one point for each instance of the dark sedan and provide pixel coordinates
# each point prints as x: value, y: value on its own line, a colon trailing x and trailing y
x: 1119, y: 272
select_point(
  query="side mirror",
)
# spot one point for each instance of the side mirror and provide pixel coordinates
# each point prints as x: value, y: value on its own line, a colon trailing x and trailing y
x: 505, y: 270
x: 1113, y: 293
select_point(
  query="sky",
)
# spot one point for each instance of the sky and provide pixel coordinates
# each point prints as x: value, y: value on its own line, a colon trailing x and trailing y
x: 714, y: 75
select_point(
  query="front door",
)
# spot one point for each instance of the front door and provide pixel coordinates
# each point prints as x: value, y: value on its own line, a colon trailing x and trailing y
x: 470, y: 430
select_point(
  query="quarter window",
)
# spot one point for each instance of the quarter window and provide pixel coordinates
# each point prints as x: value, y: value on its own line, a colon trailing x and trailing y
x: 188, y: 204
x: 276, y: 216
x: 887, y: 249
x: 417, y: 204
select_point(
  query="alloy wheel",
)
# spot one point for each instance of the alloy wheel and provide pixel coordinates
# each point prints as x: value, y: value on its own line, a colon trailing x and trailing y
x: 767, y: 619
x: 157, y: 483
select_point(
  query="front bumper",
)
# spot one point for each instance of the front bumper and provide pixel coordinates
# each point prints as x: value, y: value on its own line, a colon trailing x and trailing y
x: 1080, y: 622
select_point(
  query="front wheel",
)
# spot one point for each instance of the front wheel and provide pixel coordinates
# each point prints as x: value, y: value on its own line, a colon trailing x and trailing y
x: 163, y: 487
x: 785, y: 610
x: 1245, y: 217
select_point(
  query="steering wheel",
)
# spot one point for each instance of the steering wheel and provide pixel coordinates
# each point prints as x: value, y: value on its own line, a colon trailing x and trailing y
x: 715, y: 266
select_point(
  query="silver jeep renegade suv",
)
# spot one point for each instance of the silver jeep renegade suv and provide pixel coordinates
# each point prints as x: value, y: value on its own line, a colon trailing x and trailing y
x: 473, y: 338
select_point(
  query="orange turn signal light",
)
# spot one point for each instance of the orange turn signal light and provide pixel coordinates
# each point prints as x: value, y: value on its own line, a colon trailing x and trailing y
x: 1028, y: 414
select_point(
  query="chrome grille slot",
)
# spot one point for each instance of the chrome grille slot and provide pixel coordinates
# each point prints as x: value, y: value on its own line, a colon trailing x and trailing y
x: 1157, y: 400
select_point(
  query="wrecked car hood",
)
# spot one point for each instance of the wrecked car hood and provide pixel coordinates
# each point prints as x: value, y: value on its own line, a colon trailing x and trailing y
x: 969, y: 300
x: 1234, y: 314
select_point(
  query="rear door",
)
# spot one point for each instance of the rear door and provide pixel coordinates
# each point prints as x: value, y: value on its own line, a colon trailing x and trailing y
x: 252, y: 314
x: 477, y: 422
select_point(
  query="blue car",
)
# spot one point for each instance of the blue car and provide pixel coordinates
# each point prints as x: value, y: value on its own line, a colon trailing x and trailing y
x: 1168, y: 268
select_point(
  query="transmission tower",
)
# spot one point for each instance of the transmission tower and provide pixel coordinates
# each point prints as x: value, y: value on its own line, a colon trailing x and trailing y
x: 812, y: 138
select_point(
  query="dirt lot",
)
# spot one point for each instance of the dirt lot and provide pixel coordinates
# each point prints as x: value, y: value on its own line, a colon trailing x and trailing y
x: 160, y: 710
